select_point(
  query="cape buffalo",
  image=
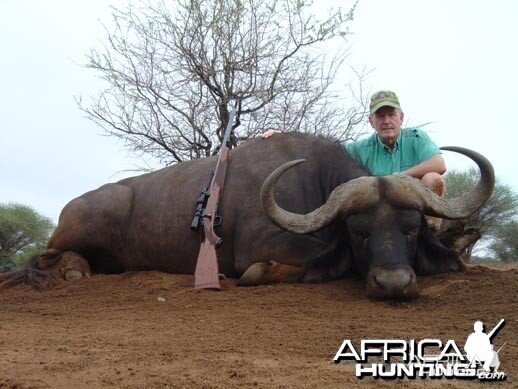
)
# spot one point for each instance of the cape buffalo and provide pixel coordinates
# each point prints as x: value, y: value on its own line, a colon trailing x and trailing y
x: 330, y: 218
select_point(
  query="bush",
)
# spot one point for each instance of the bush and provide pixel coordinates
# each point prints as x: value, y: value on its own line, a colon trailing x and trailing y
x: 500, y: 209
x: 23, y: 233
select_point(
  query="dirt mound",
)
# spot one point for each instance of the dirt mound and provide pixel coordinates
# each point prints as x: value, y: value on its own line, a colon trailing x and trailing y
x: 151, y: 329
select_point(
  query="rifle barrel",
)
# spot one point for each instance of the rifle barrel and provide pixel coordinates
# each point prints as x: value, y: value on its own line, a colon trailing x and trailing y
x: 226, y: 138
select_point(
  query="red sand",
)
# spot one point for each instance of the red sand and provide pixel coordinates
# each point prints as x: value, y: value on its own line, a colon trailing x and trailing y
x: 151, y: 329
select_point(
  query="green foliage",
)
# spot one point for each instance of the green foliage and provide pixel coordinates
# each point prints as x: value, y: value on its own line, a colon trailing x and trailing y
x: 505, y: 242
x: 500, y: 209
x: 22, y: 257
x: 7, y: 264
x: 23, y: 231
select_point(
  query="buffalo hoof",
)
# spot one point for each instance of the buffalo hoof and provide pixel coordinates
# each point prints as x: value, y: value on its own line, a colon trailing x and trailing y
x: 268, y: 273
x: 73, y: 274
x: 392, y: 283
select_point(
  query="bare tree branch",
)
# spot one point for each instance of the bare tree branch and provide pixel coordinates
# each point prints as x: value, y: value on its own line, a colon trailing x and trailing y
x: 173, y: 71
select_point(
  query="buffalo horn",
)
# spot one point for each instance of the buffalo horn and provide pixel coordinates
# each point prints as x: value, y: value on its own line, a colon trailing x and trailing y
x: 463, y: 206
x: 352, y: 195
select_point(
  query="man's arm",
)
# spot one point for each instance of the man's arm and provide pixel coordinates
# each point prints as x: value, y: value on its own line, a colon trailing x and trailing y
x: 434, y: 164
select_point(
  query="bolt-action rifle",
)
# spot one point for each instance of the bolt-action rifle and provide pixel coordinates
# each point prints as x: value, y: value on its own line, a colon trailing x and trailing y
x: 206, y: 275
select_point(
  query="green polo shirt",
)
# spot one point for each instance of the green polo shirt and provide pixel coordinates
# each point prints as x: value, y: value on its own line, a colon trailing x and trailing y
x: 412, y: 147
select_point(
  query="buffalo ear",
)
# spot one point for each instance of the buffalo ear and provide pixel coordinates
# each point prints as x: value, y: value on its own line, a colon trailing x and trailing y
x: 432, y: 257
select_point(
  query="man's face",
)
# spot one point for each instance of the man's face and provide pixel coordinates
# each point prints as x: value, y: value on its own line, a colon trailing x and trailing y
x: 387, y: 123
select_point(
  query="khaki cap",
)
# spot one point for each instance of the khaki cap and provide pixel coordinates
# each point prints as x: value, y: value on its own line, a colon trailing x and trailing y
x: 383, y: 98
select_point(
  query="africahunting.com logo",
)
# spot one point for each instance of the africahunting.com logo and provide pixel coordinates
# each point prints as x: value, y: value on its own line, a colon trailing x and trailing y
x: 427, y: 358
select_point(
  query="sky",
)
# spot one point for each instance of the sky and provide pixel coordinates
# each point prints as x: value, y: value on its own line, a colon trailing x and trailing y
x: 452, y: 63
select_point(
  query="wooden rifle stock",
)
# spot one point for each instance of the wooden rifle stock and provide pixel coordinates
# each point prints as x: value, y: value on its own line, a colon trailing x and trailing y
x: 206, y: 275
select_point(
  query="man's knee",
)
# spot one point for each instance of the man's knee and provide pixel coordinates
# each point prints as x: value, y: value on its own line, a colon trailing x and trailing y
x: 435, y: 182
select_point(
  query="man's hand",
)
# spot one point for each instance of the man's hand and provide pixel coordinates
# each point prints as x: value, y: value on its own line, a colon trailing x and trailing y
x: 269, y: 133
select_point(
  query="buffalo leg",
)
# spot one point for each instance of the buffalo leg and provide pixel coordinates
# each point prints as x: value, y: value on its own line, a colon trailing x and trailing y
x: 68, y: 264
x: 74, y: 266
x: 270, y: 272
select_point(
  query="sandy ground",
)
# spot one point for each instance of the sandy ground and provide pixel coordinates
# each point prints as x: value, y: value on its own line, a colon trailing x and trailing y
x: 152, y: 329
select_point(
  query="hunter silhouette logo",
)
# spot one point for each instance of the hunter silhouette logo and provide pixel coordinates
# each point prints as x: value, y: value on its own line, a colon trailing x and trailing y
x: 427, y: 358
x: 479, y: 349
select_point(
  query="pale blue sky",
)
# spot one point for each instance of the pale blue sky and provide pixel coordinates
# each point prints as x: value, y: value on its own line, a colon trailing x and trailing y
x: 451, y: 62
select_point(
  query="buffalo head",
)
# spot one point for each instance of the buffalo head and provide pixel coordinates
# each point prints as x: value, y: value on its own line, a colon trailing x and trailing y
x: 382, y: 219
